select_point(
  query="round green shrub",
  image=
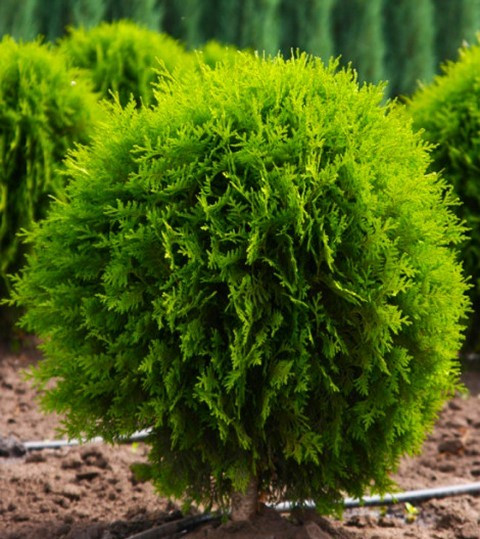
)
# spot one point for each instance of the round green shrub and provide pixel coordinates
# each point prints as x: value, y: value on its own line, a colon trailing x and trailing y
x: 123, y: 57
x: 214, y: 53
x: 44, y: 111
x: 261, y: 271
x: 448, y: 113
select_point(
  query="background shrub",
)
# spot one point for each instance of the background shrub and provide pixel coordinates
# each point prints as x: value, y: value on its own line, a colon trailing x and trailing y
x: 123, y: 57
x: 448, y: 112
x: 44, y: 111
x: 260, y: 270
x: 213, y: 53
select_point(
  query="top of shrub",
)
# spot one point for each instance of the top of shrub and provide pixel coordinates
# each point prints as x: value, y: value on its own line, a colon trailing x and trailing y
x: 123, y: 57
x: 260, y: 270
x: 44, y: 110
x: 448, y: 112
x: 214, y: 53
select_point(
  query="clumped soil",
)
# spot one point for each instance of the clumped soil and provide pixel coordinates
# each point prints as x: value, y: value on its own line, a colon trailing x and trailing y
x: 89, y: 491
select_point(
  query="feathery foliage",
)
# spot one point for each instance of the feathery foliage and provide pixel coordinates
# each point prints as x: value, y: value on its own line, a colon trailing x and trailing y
x: 122, y: 58
x: 44, y: 111
x: 259, y: 269
x: 448, y: 112
x: 213, y: 53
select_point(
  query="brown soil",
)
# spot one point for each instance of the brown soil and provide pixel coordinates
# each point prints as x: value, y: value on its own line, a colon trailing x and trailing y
x: 89, y: 492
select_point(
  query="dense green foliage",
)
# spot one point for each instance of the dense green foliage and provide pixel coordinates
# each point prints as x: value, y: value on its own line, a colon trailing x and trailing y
x: 448, y: 112
x: 259, y: 269
x: 122, y: 58
x: 44, y: 111
x: 213, y: 53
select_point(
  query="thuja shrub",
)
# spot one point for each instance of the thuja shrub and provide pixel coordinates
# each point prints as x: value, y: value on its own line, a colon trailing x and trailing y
x: 448, y: 113
x: 123, y: 58
x: 214, y: 53
x: 262, y: 272
x: 44, y: 111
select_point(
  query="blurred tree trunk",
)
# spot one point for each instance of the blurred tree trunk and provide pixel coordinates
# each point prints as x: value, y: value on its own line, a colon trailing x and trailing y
x: 245, y: 504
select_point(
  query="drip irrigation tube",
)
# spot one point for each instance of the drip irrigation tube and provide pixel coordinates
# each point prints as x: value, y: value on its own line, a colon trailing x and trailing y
x: 400, y: 497
x: 171, y: 529
x: 188, y: 523
x: 57, y: 444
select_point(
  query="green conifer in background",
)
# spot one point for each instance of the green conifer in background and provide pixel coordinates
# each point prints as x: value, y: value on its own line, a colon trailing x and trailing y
x: 289, y: 31
x: 45, y: 109
x: 260, y: 26
x: 53, y: 17
x: 225, y: 26
x: 146, y: 13
x: 448, y: 113
x: 87, y: 13
x: 19, y: 20
x: 122, y: 58
x: 456, y: 21
x: 410, y: 44
x: 315, y: 22
x: 358, y: 30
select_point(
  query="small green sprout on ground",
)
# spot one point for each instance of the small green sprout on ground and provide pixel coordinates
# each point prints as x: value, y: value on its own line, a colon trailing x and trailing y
x: 261, y: 271
x: 411, y: 512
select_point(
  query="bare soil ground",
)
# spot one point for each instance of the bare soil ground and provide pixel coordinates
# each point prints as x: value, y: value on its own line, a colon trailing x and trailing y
x: 89, y: 492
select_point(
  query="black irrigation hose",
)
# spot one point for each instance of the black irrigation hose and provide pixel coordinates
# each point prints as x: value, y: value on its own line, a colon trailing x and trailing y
x: 415, y: 495
x: 188, y: 523
x: 170, y: 529
x: 401, y: 497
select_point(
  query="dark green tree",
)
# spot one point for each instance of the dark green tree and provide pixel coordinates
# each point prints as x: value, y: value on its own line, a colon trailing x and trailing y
x: 19, y: 20
x: 456, y: 21
x: 358, y: 29
x: 315, y: 22
x: 87, y: 13
x: 289, y: 26
x: 192, y: 29
x: 53, y: 17
x: 260, y: 25
x: 223, y: 20
x: 146, y: 13
x: 410, y: 44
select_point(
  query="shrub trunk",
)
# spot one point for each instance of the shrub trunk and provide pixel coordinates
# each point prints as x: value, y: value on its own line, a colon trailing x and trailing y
x: 245, y: 504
